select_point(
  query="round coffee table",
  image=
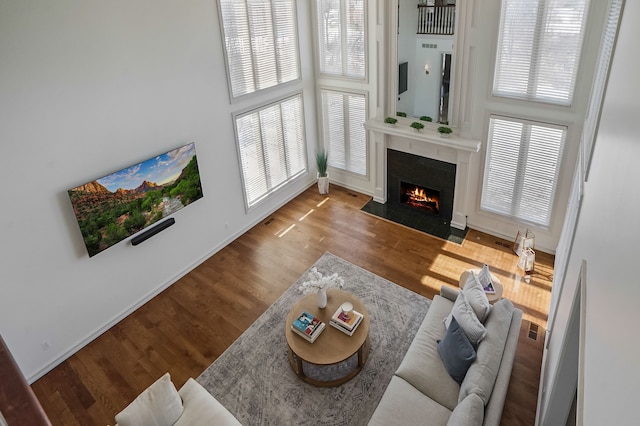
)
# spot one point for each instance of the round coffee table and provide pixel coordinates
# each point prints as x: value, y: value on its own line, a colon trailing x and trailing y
x: 333, y: 351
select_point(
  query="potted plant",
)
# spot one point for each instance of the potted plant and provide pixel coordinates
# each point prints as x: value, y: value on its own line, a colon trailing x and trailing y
x: 426, y: 118
x: 390, y: 121
x: 322, y: 158
x: 401, y: 114
x: 417, y: 126
x: 444, y: 131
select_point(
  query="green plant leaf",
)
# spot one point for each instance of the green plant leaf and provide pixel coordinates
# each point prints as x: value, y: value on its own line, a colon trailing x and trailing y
x: 322, y: 158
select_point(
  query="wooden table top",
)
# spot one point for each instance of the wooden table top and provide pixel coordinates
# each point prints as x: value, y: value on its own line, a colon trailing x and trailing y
x: 332, y: 346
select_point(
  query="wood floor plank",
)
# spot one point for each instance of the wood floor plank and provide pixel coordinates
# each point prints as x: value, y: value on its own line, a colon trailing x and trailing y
x: 191, y: 323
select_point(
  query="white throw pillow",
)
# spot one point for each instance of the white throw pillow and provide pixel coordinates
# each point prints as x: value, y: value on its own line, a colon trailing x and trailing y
x: 467, y: 319
x: 484, y: 276
x: 158, y: 405
x: 477, y: 297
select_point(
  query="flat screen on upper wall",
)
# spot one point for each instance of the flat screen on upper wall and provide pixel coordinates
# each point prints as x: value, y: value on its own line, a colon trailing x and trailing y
x: 116, y: 206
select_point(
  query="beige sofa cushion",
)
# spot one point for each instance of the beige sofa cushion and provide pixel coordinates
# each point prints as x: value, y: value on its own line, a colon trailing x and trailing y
x: 469, y: 412
x: 467, y: 318
x: 481, y: 376
x: 158, y: 405
x: 201, y: 408
x: 422, y: 366
x: 402, y: 404
x: 476, y: 297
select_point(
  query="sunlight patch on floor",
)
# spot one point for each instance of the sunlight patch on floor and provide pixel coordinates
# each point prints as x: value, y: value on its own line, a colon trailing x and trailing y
x: 429, y: 281
x: 305, y: 216
x: 283, y: 233
x: 322, y: 202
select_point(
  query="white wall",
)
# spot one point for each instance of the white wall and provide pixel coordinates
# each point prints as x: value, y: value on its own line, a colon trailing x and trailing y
x: 427, y: 87
x: 86, y: 88
x: 606, y: 237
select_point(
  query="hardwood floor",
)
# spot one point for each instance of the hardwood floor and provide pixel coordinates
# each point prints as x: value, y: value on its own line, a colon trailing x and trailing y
x: 186, y: 327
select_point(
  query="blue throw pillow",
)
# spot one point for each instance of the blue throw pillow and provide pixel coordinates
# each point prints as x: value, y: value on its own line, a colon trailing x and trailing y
x: 456, y: 351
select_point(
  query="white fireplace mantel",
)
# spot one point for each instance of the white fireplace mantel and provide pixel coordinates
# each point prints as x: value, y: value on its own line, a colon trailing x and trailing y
x: 427, y: 143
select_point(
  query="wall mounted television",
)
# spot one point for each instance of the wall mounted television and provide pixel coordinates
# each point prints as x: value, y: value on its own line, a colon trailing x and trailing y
x: 114, y: 207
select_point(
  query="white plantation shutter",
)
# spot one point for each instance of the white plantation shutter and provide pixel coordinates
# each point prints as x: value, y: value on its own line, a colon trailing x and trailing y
x: 539, y: 45
x: 272, y: 147
x: 600, y: 79
x: 341, y: 28
x: 521, y: 169
x: 343, y: 116
x: 261, y: 43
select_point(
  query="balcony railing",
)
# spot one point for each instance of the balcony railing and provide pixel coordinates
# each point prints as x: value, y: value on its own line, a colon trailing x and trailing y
x: 436, y: 19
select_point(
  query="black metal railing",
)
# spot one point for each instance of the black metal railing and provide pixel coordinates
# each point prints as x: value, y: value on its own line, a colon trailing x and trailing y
x: 436, y: 19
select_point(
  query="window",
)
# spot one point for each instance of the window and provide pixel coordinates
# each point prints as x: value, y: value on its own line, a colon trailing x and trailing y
x: 343, y: 116
x: 521, y: 169
x: 261, y: 43
x: 600, y: 80
x: 539, y: 45
x: 272, y: 147
x: 341, y: 26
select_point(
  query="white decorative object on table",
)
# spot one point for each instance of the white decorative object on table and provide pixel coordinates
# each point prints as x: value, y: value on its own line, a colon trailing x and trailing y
x: 320, y: 283
x: 322, y: 298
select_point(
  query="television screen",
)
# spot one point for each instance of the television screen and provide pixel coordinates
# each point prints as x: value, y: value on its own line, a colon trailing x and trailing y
x: 116, y: 206
x: 403, y: 70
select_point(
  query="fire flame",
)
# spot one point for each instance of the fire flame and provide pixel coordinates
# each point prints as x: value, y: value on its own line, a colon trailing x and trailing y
x: 418, y: 194
x: 419, y: 197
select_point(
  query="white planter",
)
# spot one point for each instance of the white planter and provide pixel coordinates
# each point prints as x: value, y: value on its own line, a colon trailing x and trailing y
x: 323, y: 184
x: 445, y: 135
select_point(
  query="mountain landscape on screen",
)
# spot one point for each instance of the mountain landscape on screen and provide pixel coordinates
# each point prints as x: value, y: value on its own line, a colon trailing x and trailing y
x: 112, y: 208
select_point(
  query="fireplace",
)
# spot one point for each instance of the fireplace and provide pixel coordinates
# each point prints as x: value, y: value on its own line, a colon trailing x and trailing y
x: 420, y: 197
x: 426, y: 160
x: 421, y: 188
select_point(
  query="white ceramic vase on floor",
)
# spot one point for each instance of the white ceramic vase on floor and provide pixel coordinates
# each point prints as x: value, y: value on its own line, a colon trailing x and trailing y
x: 323, y: 184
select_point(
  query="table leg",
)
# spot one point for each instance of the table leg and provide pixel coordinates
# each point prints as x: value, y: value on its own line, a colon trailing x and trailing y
x: 363, y: 352
x: 296, y: 363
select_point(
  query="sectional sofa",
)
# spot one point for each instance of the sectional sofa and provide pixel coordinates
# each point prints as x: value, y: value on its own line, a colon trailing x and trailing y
x: 422, y: 390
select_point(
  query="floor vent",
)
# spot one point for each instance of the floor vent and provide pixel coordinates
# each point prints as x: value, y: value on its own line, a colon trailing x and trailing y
x: 352, y: 194
x: 269, y: 221
x: 503, y: 244
x: 533, y: 331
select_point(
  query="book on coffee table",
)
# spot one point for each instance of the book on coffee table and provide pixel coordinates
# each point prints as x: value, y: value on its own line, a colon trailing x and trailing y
x: 347, y: 325
x: 308, y: 326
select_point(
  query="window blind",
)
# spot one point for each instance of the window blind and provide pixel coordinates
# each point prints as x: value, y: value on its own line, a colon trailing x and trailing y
x: 261, y: 43
x: 272, y: 149
x: 343, y: 116
x: 538, y: 53
x: 600, y: 79
x: 341, y: 40
x: 521, y: 169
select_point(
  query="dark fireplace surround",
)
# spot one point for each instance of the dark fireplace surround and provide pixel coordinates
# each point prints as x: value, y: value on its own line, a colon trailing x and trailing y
x: 437, y: 176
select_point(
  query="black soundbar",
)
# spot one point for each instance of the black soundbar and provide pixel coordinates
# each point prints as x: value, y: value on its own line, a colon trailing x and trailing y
x: 152, y: 231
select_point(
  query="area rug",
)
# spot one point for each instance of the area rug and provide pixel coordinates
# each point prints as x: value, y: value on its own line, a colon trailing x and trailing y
x: 254, y: 381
